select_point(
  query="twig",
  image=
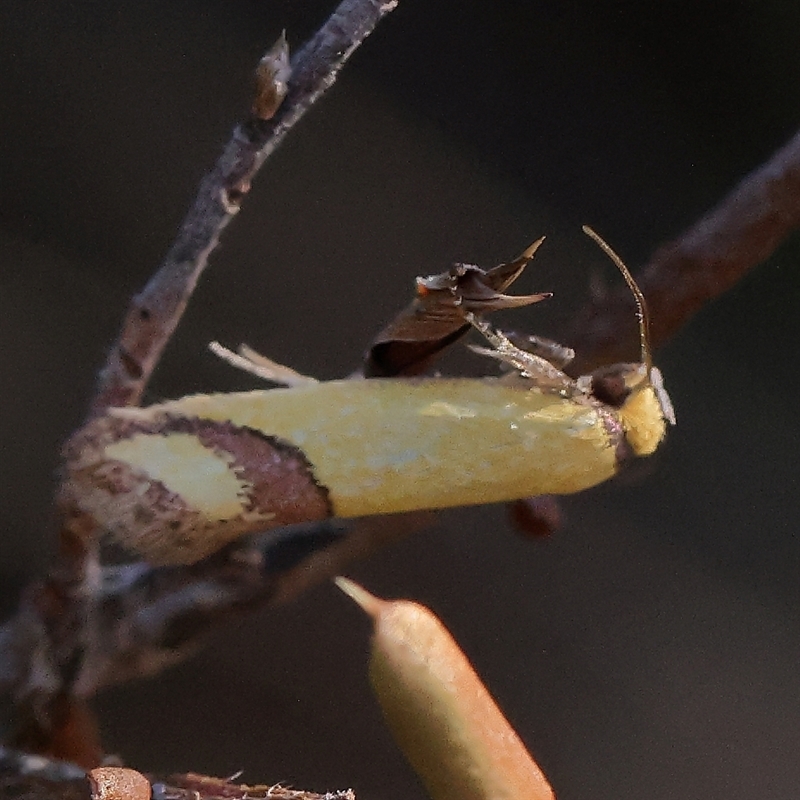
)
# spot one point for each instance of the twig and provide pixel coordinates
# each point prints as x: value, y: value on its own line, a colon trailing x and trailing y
x: 27, y: 777
x: 155, y: 312
x: 147, y: 618
x: 202, y: 787
x: 702, y: 263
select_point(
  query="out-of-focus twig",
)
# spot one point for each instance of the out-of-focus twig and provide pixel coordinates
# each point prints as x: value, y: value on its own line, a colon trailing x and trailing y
x: 147, y: 618
x: 27, y: 777
x: 438, y: 710
x: 155, y: 312
x: 699, y: 265
x: 202, y: 787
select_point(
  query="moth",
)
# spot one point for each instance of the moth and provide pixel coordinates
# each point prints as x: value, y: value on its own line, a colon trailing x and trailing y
x: 176, y: 481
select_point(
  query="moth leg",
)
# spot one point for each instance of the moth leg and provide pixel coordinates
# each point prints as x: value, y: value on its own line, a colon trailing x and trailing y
x: 558, y: 355
x: 262, y: 367
x: 544, y: 374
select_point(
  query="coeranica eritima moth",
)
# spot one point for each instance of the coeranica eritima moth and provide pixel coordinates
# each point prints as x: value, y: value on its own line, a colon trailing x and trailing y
x: 178, y: 480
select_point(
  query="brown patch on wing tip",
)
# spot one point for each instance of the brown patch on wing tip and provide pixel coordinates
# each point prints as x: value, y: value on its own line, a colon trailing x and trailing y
x: 279, y: 487
x: 142, y: 514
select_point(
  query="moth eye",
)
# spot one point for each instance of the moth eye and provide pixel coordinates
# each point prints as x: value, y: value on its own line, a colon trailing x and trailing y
x: 609, y: 386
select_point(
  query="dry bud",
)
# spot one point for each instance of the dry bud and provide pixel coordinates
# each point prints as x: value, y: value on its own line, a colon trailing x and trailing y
x: 118, y: 783
x: 272, y: 79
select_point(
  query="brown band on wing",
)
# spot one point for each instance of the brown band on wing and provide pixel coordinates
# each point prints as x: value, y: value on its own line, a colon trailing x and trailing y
x: 280, y: 477
x: 278, y: 487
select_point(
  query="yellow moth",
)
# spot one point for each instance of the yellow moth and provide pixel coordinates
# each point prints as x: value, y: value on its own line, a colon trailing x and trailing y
x: 178, y: 480
x: 440, y: 713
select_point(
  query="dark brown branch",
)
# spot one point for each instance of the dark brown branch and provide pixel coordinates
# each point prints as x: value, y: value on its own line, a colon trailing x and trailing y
x: 702, y: 263
x: 26, y: 777
x: 155, y: 312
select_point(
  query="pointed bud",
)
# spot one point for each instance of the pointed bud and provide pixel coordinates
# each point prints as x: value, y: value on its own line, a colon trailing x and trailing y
x: 272, y: 80
x: 440, y: 714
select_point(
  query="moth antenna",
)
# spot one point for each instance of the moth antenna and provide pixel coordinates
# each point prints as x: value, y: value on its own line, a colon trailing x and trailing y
x: 642, y: 313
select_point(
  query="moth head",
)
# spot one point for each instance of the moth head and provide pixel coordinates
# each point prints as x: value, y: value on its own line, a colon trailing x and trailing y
x: 643, y: 405
x: 635, y: 390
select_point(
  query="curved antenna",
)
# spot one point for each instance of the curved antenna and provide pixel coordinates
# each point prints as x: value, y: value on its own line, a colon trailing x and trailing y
x: 641, y: 305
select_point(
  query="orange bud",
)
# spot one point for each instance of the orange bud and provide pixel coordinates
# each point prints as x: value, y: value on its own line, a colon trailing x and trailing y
x: 440, y: 714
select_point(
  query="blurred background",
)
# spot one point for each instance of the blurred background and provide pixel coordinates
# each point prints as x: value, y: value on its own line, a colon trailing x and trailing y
x: 647, y: 649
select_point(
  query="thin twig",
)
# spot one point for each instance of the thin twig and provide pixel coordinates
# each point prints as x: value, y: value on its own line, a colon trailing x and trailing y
x: 27, y: 777
x: 155, y: 312
x: 702, y: 263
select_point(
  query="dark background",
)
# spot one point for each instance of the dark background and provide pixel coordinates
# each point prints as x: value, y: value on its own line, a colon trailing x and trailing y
x: 648, y: 649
